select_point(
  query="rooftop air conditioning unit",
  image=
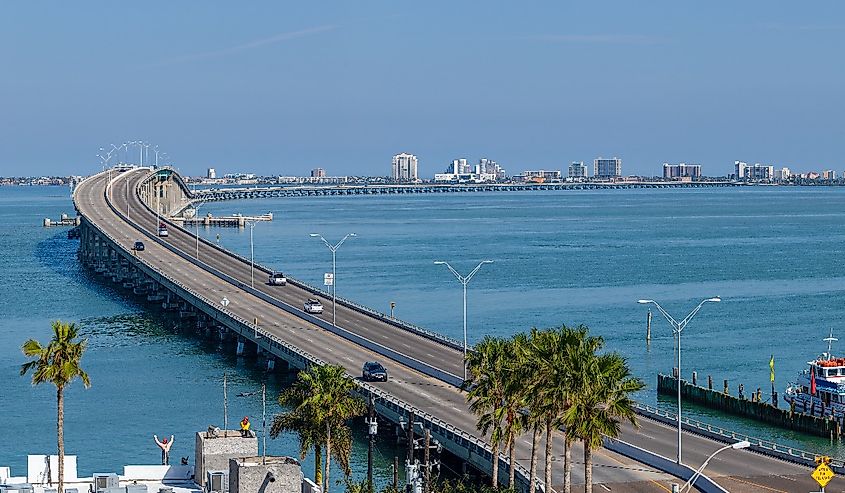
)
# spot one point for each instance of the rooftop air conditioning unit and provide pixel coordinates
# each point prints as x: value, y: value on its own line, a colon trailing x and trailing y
x: 217, y: 482
x: 136, y: 488
x: 103, y: 481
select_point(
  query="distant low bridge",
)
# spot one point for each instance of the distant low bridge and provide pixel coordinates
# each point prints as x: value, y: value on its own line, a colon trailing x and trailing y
x: 215, y: 194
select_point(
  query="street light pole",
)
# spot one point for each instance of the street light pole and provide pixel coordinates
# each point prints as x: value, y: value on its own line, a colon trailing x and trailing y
x: 333, y: 249
x: 736, y: 446
x: 251, y: 255
x: 464, y: 281
x: 677, y: 328
x: 197, y: 225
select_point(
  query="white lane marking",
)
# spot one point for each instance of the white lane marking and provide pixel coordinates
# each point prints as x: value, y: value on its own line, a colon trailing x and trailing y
x: 605, y: 487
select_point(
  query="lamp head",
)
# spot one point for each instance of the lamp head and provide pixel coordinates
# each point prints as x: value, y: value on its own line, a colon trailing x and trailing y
x: 486, y: 261
x: 645, y: 302
x: 439, y: 262
x: 741, y: 445
x: 714, y: 299
x: 352, y: 234
x: 313, y: 235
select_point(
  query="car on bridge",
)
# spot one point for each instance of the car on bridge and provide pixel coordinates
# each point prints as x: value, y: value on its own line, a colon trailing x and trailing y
x: 277, y: 279
x: 313, y: 306
x: 162, y: 230
x: 138, y: 246
x: 373, y: 371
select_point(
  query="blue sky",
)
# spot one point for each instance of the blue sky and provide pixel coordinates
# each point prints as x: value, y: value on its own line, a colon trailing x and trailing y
x: 284, y: 87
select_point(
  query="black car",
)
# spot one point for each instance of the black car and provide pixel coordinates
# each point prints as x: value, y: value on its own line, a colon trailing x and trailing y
x: 139, y: 246
x: 374, y: 372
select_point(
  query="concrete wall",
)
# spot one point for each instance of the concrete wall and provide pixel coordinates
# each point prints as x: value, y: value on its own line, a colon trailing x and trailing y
x: 273, y: 475
x: 213, y: 453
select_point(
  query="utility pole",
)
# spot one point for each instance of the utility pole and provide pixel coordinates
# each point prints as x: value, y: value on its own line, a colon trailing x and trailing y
x: 225, y: 408
x: 395, y: 473
x: 410, y: 437
x: 372, y: 429
x: 427, y: 473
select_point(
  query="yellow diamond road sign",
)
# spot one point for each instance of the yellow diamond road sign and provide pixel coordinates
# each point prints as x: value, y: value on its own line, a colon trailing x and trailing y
x: 823, y: 474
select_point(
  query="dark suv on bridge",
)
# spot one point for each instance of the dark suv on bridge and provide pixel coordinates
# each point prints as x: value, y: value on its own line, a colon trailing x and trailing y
x: 373, y: 372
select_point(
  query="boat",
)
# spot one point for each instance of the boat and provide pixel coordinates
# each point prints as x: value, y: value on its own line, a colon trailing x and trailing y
x: 820, y: 389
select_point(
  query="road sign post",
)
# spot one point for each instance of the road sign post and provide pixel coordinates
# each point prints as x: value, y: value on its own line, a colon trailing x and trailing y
x: 328, y: 279
x: 823, y: 473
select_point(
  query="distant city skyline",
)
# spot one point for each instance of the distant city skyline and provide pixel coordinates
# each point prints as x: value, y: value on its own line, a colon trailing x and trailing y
x: 286, y: 88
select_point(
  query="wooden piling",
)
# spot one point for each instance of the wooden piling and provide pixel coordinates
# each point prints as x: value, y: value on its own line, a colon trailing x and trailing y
x: 754, y: 408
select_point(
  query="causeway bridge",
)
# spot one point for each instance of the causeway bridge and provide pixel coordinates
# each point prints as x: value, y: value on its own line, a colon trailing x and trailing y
x: 212, y: 286
x: 232, y: 193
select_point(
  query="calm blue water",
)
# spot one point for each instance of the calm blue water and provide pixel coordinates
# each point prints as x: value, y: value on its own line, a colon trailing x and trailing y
x: 774, y: 255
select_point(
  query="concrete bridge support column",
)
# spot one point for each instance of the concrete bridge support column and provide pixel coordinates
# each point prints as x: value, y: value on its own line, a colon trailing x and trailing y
x: 241, y: 346
x: 271, y: 364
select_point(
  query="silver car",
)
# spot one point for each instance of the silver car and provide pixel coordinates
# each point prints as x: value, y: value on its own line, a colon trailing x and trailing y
x: 313, y: 306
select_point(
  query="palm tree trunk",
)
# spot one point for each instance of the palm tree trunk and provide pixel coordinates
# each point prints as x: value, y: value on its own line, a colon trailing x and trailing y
x: 318, y: 464
x: 512, y: 465
x: 532, y: 478
x: 60, y: 433
x: 549, y: 430
x: 328, y: 456
x: 495, y: 482
x: 588, y: 469
x: 567, y: 465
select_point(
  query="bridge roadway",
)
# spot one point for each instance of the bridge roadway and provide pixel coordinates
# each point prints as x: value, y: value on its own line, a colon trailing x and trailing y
x: 735, y: 470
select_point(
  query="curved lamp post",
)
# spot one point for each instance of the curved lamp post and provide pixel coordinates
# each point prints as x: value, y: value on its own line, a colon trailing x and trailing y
x: 333, y: 249
x: 736, y: 446
x: 464, y: 281
x: 677, y: 328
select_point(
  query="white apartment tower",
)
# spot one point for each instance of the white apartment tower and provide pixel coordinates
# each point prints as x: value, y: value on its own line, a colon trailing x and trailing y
x: 404, y: 167
x: 577, y: 170
x: 607, y: 168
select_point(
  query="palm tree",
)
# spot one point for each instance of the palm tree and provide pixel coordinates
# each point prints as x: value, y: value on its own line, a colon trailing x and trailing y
x: 57, y: 363
x: 516, y: 372
x: 599, y: 409
x: 310, y: 433
x: 323, y: 396
x: 526, y: 360
x: 487, y: 391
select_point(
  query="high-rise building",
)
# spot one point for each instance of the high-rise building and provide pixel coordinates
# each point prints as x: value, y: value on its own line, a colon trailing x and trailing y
x: 318, y: 173
x: 757, y: 172
x: 489, y: 167
x: 211, y: 174
x: 578, y: 170
x: 607, y: 168
x: 828, y: 174
x: 739, y: 169
x: 459, y: 167
x: 681, y: 170
x: 783, y: 174
x: 404, y: 167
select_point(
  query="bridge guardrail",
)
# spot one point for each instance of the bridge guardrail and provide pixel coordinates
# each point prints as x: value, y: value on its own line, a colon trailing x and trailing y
x: 703, y: 483
x: 766, y: 447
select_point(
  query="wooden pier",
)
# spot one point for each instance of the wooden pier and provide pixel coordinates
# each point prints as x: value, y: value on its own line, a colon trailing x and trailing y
x: 233, y: 221
x: 789, y: 418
